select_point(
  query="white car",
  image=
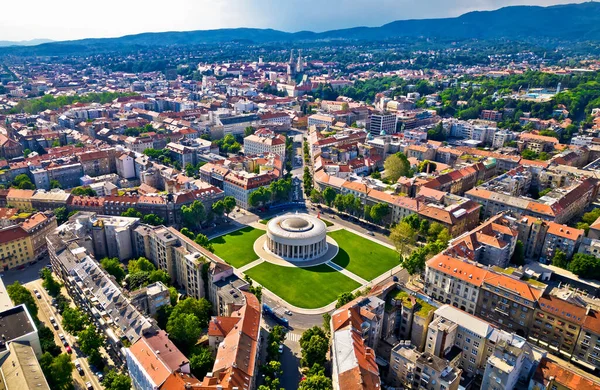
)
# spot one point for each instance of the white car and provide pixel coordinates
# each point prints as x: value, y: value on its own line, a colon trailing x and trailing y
x: 88, y: 386
x: 280, y: 348
x: 37, y: 294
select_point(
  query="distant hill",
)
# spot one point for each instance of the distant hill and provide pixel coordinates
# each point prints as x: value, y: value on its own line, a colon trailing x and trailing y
x: 569, y: 22
x: 32, y: 42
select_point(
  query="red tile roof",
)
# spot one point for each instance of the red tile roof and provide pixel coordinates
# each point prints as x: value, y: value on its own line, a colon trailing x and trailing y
x: 548, y: 370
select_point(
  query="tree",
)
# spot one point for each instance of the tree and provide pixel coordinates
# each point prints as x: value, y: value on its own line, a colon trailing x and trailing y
x: 159, y: 275
x: 326, y: 322
x: 378, y: 212
x: 201, y: 361
x: 415, y: 263
x: 329, y: 196
x: 23, y: 182
x: 200, y: 308
x: 218, y: 208
x: 90, y: 340
x: 114, y: 267
x: 339, y: 203
x: 518, y: 257
x: 188, y: 233
x: 153, y: 219
x: 138, y: 280
x: 229, y: 203
x: 396, y: 166
x: 190, y: 170
x: 184, y: 329
x: 49, y: 283
x: 315, y: 196
x: 140, y: 265
x: 18, y: 294
x: 26, y: 153
x: 343, y: 298
x: 58, y: 370
x: 560, y: 259
x: 307, y: 180
x: 55, y: 184
x: 174, y: 295
x: 315, y: 344
x: 249, y: 131
x: 47, y: 340
x: 260, y: 197
x: 204, y: 242
x: 73, y: 320
x: 83, y: 191
x: 584, y: 265
x: 113, y: 380
x: 316, y: 382
x: 131, y: 213
x: 61, y: 215
x: 193, y: 215
x: 404, y: 237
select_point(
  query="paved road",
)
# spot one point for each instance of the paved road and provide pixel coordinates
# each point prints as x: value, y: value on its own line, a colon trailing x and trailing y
x: 46, y: 310
x: 26, y: 275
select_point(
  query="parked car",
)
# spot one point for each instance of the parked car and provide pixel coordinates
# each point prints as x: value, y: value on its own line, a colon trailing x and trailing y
x: 280, y: 348
x: 68, y: 348
x: 61, y: 336
x: 78, y: 367
x: 54, y: 323
x: 100, y: 376
x: 37, y: 294
x: 288, y: 312
x: 88, y: 386
x: 370, y: 233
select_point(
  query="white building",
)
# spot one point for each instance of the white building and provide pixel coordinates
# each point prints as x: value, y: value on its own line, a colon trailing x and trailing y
x: 383, y: 123
x: 265, y: 141
x: 320, y: 119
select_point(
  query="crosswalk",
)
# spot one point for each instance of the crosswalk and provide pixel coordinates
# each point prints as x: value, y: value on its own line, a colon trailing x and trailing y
x: 293, y: 337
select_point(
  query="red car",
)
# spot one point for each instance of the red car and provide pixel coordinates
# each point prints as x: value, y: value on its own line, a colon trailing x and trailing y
x: 68, y: 348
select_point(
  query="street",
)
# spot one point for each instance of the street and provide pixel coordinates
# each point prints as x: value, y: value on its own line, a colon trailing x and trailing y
x: 46, y: 310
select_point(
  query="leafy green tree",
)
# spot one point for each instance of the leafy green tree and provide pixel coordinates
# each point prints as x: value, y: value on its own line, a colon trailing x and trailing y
x: 315, y: 344
x: 83, y: 191
x: 249, y: 131
x: 184, y: 329
x: 307, y: 180
x: 587, y: 266
x: 18, y: 294
x: 560, y: 259
x: 140, y: 265
x: 201, y: 361
x: 61, y: 215
x: 229, y: 203
x: 113, y: 380
x: 153, y: 219
x: 204, y: 242
x: 193, y: 215
x: 131, y: 213
x: 378, y: 212
x: 162, y: 315
x: 174, y: 295
x: 49, y: 283
x: 326, y: 323
x: 58, y: 370
x: 159, y: 275
x: 316, y: 196
x: 190, y: 170
x: 90, y: 340
x: 138, y: 280
x: 55, y: 184
x: 47, y: 340
x: 329, y: 196
x: 260, y: 197
x: 218, y: 208
x: 73, y: 320
x: 23, y: 182
x: 200, y: 308
x: 404, y: 237
x: 343, y: 298
x: 427, y: 166
x: 518, y: 257
x: 316, y: 382
x: 26, y: 153
x: 114, y: 267
x: 188, y: 233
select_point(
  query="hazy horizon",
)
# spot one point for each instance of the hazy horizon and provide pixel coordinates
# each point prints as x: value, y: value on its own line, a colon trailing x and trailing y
x: 68, y: 20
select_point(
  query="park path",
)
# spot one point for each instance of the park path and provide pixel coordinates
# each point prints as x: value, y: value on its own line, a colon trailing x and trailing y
x: 250, y: 265
x: 347, y: 273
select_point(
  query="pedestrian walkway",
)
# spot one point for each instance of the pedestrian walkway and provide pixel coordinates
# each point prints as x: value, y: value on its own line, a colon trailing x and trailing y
x: 347, y: 273
x: 295, y: 337
x: 248, y: 266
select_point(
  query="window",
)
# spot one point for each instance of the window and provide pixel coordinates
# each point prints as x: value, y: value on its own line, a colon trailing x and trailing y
x: 474, y: 351
x: 472, y: 360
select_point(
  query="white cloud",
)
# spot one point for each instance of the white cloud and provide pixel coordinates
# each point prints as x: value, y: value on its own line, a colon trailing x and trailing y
x: 74, y: 19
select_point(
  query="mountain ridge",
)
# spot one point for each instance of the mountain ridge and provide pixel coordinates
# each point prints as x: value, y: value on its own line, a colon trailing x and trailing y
x: 565, y: 22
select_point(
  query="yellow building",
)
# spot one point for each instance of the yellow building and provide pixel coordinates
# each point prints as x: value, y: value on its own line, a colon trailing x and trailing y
x: 15, y: 247
x: 19, y: 199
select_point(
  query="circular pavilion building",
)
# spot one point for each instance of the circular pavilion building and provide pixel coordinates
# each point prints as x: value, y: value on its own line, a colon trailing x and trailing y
x: 296, y: 237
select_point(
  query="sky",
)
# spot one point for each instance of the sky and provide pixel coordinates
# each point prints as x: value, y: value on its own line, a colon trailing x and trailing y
x: 76, y: 19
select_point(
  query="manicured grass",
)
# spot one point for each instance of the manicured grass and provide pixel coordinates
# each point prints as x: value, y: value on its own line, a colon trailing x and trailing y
x: 326, y: 222
x: 265, y: 221
x: 237, y: 248
x: 363, y: 257
x: 308, y: 288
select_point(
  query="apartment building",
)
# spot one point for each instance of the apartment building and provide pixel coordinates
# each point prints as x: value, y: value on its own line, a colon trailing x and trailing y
x: 241, y: 184
x: 454, y: 282
x: 237, y: 361
x: 413, y: 317
x: 49, y: 200
x: 383, y: 123
x: 152, y: 359
x: 552, y: 375
x: 38, y: 226
x: 508, y: 303
x: 556, y: 325
x: 560, y: 237
x: 587, y: 349
x: 19, y: 199
x: 353, y: 361
x: 321, y: 120
x: 491, y: 115
x: 413, y: 369
x: 20, y: 369
x: 156, y: 243
x: 125, y: 166
x: 265, y: 141
x: 16, y: 249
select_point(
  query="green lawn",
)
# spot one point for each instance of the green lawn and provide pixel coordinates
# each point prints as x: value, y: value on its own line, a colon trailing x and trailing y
x: 309, y: 288
x: 237, y: 248
x: 363, y: 257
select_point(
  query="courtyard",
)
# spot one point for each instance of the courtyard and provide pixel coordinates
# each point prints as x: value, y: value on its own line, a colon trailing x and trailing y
x: 359, y: 260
